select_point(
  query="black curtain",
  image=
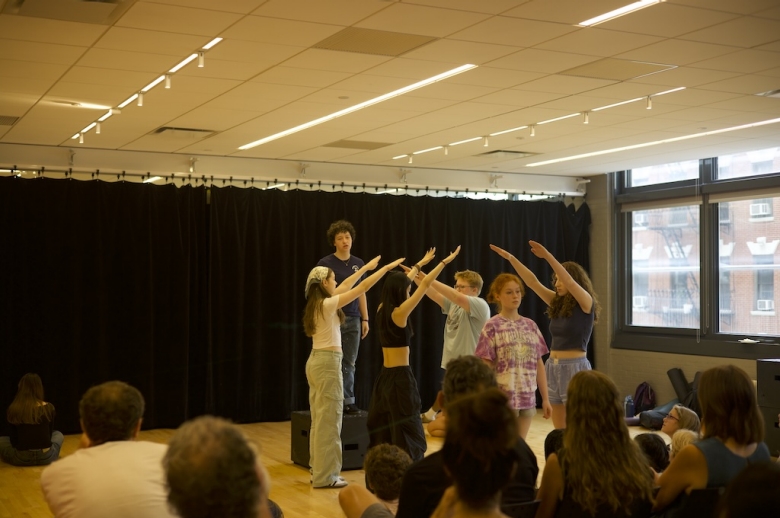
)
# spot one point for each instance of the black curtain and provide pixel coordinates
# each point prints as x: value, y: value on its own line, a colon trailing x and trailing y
x: 199, y: 305
x: 102, y: 281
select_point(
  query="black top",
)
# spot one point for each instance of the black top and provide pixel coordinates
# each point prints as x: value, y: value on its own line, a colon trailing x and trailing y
x: 33, y: 436
x: 425, y: 482
x: 392, y: 336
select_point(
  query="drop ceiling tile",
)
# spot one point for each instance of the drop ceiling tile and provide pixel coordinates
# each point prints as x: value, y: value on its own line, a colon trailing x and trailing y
x: 542, y: 61
x: 517, y: 32
x: 89, y: 93
x: 456, y: 51
x: 743, y: 61
x: 219, y: 69
x: 517, y: 98
x: 152, y: 42
x: 772, y: 12
x: 570, y: 12
x: 598, y: 42
x: 321, y: 154
x: 231, y: 6
x: 565, y: 84
x: 376, y: 85
x: 284, y: 75
x: 265, y: 54
x: 413, y: 69
x: 335, y: 12
x: 774, y: 72
x: 335, y: 61
x: 745, y: 84
x: 49, y: 31
x: 255, y: 95
x: 22, y: 70
x: 124, y: 60
x: 773, y: 47
x: 99, y: 76
x: 279, y: 32
x: 40, y: 52
x: 418, y: 19
x: 16, y: 104
x: 668, y: 20
x: 746, y: 32
x: 677, y: 52
x: 750, y: 103
x: 453, y: 92
x: 685, y: 76
x: 182, y: 20
x: 29, y: 88
x: 495, y: 77
x: 217, y: 119
x: 729, y: 6
x: 483, y: 6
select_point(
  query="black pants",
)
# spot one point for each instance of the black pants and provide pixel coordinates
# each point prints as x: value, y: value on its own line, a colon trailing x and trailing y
x: 394, y: 412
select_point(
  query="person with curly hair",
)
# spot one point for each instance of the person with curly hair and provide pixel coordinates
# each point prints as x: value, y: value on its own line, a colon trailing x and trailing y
x: 599, y: 471
x: 573, y: 308
x: 385, y: 466
x: 33, y: 441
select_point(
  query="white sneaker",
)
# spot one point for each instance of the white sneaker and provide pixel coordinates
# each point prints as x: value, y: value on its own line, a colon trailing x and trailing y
x: 339, y: 482
x: 427, y: 417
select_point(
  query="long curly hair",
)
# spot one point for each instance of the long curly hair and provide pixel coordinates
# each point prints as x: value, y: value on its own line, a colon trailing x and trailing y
x: 600, y: 463
x: 27, y: 407
x: 315, y: 296
x: 562, y: 306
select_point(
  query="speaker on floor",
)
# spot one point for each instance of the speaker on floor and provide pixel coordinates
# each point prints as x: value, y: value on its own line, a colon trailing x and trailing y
x: 768, y: 382
x: 354, y: 439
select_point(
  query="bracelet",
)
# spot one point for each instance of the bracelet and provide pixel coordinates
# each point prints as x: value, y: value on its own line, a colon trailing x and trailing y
x: 416, y: 265
x: 364, y: 320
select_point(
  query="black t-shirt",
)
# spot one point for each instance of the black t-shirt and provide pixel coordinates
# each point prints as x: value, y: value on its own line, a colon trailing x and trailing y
x: 32, y: 436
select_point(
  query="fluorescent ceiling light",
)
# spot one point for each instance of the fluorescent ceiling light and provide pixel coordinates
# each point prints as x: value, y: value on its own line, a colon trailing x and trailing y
x: 399, y: 156
x: 426, y: 150
x: 128, y: 100
x: 630, y: 8
x: 508, y: 131
x: 108, y: 114
x: 655, y: 143
x: 366, y: 104
x: 89, y: 127
x: 153, y: 84
x: 153, y: 179
x: 180, y: 65
x: 210, y: 44
x: 616, y: 104
x: 669, y: 91
x: 559, y: 118
x: 463, y: 141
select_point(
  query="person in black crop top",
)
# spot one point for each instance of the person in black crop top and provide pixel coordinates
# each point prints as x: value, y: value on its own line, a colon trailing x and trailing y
x: 32, y: 441
x: 394, y: 410
x: 573, y: 309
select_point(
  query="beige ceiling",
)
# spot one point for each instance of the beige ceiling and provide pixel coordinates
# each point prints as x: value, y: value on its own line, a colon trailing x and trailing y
x: 269, y: 74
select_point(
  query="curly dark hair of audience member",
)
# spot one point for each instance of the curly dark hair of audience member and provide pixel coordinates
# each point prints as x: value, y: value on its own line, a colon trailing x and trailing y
x: 111, y: 411
x: 729, y: 408
x: 393, y: 295
x: 654, y: 448
x: 479, y: 448
x: 553, y: 442
x: 753, y: 493
x: 600, y: 463
x: 26, y: 408
x: 561, y: 306
x: 385, y: 465
x: 211, y: 471
x: 337, y: 227
x: 466, y: 375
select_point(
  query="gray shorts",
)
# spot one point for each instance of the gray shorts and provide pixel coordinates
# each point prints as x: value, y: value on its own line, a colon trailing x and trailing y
x: 559, y: 373
x: 377, y: 511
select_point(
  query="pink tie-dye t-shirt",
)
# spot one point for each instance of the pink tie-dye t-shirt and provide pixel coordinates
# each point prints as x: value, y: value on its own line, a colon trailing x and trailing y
x: 514, y: 347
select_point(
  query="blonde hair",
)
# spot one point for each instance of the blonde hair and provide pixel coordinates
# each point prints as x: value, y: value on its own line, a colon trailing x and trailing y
x: 682, y: 438
x: 494, y: 292
x: 471, y: 278
x: 687, y: 420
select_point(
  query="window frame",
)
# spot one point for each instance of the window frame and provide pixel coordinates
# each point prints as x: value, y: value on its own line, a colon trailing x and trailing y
x: 707, y: 340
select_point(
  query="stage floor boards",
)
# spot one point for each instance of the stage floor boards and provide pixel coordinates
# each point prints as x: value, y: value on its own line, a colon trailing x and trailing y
x: 20, y: 490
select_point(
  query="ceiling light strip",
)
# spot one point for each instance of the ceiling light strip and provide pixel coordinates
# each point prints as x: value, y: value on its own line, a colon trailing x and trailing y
x: 559, y: 118
x: 427, y: 150
x: 366, y: 104
x: 654, y: 143
x: 153, y: 84
x: 616, y: 13
x: 508, y: 131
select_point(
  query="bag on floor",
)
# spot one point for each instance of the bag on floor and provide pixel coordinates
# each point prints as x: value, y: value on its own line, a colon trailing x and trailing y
x: 651, y: 419
x: 644, y: 398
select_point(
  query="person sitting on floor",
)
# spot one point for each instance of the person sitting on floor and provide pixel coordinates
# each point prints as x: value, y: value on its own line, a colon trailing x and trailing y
x: 680, y: 440
x: 680, y: 418
x: 385, y: 466
x: 33, y: 441
x: 655, y: 450
x: 213, y: 471
x: 553, y: 442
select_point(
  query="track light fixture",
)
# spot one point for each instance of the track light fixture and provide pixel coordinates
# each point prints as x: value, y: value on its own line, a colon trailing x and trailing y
x: 411, y: 159
x: 81, y: 138
x: 586, y: 118
x: 486, y: 143
x: 167, y: 82
x: 97, y: 128
x: 649, y: 103
x: 446, y: 150
x: 533, y: 130
x: 140, y: 98
x: 201, y: 59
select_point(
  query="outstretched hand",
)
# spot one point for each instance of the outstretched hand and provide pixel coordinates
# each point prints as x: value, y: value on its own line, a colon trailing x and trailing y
x: 452, y: 256
x: 500, y: 251
x: 373, y: 263
x: 539, y: 250
x: 395, y: 263
x: 428, y: 257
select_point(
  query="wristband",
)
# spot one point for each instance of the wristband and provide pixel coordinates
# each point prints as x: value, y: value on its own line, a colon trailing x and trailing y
x: 419, y: 268
x: 364, y: 320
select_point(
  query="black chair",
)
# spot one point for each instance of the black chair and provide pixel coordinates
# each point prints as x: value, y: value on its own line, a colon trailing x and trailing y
x: 523, y: 510
x: 700, y: 503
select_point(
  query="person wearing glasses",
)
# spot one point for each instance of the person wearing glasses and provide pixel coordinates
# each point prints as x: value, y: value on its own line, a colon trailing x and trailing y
x: 680, y: 418
x: 573, y: 309
x: 466, y: 314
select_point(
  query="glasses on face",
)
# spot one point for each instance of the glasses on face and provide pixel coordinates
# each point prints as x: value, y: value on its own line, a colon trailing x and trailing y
x: 670, y: 416
x: 462, y: 286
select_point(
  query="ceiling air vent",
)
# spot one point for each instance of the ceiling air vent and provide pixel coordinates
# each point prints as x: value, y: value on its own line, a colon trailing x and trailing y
x: 104, y: 12
x: 8, y: 120
x: 505, y: 154
x: 182, y: 134
x: 371, y: 41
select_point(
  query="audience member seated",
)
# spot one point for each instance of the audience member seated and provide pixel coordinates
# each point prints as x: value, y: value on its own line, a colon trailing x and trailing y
x: 114, y: 475
x: 32, y: 442
x: 385, y: 466
x: 426, y: 480
x: 599, y: 471
x: 213, y: 471
x: 680, y: 440
x: 680, y: 418
x: 753, y: 493
x: 654, y: 448
x: 553, y: 442
x: 733, y: 431
x: 479, y: 454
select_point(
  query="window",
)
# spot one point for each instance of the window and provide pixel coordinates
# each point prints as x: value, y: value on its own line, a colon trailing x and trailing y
x: 656, y: 174
x: 698, y: 261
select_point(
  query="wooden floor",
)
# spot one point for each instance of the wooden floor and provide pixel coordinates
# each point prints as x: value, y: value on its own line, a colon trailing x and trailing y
x: 20, y: 490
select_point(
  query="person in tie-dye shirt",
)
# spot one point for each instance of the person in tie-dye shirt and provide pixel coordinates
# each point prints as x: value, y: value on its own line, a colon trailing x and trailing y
x: 513, y: 346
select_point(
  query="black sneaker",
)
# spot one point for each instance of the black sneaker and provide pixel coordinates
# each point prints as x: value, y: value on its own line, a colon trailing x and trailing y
x: 352, y: 409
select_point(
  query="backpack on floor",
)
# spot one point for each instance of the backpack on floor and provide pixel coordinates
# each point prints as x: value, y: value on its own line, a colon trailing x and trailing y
x: 644, y: 398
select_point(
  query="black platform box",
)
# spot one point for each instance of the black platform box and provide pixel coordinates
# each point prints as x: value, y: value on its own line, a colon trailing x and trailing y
x: 771, y: 430
x: 768, y: 382
x: 354, y: 439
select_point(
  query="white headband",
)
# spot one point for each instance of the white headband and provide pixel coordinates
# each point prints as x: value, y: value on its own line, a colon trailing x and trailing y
x: 317, y: 275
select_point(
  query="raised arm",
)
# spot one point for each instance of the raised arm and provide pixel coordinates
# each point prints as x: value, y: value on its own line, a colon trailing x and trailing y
x: 347, y: 297
x: 350, y: 281
x: 582, y: 297
x: 530, y: 280
x: 416, y: 274
x: 402, y: 312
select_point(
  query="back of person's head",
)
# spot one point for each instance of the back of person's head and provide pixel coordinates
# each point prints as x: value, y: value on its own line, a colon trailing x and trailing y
x: 553, y: 442
x: 339, y: 227
x: 561, y: 306
x: 494, y: 292
x: 688, y: 419
x: 111, y: 412
x: 466, y: 375
x: 479, y: 448
x: 680, y: 440
x: 729, y: 409
x: 601, y: 464
x: 471, y: 278
x: 654, y: 448
x: 211, y: 471
x: 26, y: 407
x: 385, y: 465
x: 753, y: 493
